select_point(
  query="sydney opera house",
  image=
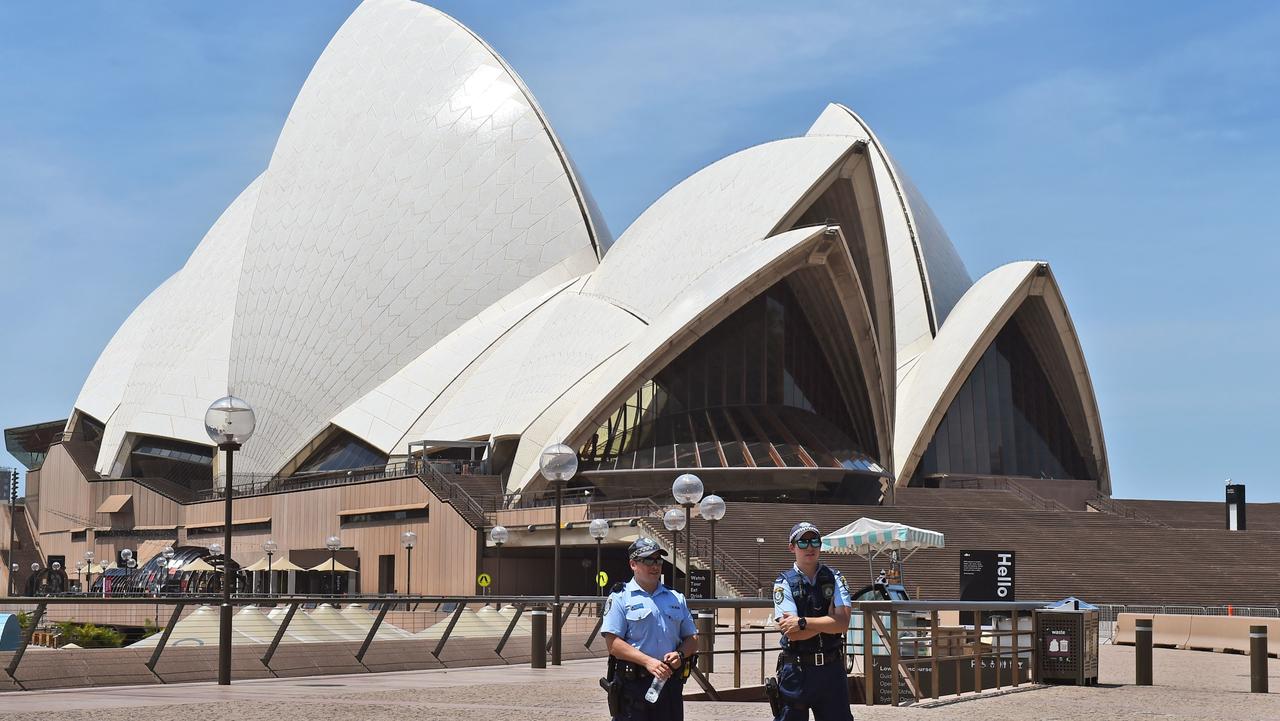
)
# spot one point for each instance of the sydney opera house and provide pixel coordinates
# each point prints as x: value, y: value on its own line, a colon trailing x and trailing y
x: 418, y: 294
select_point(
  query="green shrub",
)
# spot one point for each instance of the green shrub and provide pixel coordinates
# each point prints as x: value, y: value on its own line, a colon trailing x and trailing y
x: 88, y: 635
x: 24, y: 619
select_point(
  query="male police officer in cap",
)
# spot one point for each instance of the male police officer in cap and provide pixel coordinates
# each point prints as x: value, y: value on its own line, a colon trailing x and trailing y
x: 649, y: 633
x: 812, y: 607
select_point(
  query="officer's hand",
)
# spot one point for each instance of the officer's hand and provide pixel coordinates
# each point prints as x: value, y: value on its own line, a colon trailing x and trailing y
x: 673, y: 659
x: 658, y: 669
x: 789, y: 623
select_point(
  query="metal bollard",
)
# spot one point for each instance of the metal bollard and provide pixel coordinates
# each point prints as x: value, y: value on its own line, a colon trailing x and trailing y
x: 706, y: 640
x: 1258, y: 659
x: 538, y: 654
x: 1142, y: 648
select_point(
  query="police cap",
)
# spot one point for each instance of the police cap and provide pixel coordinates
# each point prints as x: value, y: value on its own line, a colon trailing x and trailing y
x: 643, y: 547
x: 800, y: 529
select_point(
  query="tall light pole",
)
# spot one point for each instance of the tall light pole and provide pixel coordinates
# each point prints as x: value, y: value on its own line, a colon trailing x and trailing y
x: 599, y: 529
x: 168, y: 554
x: 79, y: 568
x: 687, y: 490
x: 215, y: 551
x: 13, y: 526
x: 127, y: 557
x: 229, y: 423
x: 498, y: 535
x: 558, y: 464
x: 270, y: 547
x: 674, y: 520
x: 333, y: 543
x: 408, y: 539
x: 88, y: 570
x: 712, y: 509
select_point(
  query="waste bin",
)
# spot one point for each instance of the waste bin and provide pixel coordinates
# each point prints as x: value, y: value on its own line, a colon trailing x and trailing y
x: 1068, y: 645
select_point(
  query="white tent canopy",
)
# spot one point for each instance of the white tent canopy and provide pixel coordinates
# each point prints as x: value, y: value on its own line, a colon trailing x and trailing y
x: 279, y: 564
x: 868, y: 537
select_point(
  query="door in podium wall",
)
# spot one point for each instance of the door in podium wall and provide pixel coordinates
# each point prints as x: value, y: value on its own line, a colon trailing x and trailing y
x: 387, y: 574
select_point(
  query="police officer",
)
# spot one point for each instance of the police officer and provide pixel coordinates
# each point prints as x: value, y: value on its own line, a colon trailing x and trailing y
x: 649, y: 633
x: 812, y: 607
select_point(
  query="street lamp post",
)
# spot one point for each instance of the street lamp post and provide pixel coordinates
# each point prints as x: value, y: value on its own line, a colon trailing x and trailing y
x: 126, y: 556
x: 168, y: 554
x: 712, y: 509
x: 103, y: 565
x: 88, y: 570
x: 408, y: 539
x: 13, y: 528
x: 79, y: 568
x: 130, y: 579
x: 674, y: 520
x: 558, y: 464
x: 333, y: 543
x: 270, y: 547
x: 229, y: 423
x: 599, y: 529
x: 759, y: 545
x: 687, y: 490
x: 215, y: 550
x: 498, y: 535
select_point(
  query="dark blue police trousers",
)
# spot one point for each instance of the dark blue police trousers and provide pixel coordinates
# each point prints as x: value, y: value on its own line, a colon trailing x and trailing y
x: 824, y: 689
x: 669, y: 707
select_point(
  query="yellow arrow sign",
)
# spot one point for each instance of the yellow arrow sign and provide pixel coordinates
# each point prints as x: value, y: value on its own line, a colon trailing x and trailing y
x: 602, y: 579
x: 484, y: 580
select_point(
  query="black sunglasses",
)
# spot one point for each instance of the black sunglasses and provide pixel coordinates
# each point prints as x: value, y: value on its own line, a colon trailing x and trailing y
x: 809, y: 543
x: 649, y: 560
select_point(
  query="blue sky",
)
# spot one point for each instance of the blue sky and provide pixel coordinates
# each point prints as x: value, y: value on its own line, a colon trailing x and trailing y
x: 1133, y: 145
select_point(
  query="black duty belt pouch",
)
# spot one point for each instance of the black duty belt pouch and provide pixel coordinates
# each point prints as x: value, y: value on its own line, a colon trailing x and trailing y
x: 774, y: 695
x: 612, y: 685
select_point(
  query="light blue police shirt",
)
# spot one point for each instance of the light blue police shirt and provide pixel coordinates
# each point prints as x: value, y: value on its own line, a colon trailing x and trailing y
x: 784, y: 603
x: 654, y: 623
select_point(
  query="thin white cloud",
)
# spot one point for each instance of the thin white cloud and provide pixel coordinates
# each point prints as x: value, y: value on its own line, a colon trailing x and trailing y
x: 1203, y: 90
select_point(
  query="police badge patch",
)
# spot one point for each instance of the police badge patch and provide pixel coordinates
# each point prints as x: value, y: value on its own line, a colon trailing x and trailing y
x: 608, y: 604
x: 828, y: 591
x: 778, y: 594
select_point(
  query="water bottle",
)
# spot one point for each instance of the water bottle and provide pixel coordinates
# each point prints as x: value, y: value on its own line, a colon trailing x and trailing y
x: 655, y: 688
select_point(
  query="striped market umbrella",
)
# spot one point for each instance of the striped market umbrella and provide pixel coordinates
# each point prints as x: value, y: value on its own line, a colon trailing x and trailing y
x: 867, y: 536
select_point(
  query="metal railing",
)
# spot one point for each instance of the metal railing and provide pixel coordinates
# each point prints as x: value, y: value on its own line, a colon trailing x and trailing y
x: 1037, y: 501
x: 1106, y: 505
x: 453, y: 494
x: 256, y: 484
x: 901, y: 647
x: 915, y: 651
x: 194, y: 620
x: 624, y: 508
x: 728, y: 570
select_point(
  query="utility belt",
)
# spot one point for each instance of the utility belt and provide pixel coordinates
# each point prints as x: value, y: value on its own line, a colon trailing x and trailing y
x: 628, y: 671
x: 817, y: 658
x: 619, y: 672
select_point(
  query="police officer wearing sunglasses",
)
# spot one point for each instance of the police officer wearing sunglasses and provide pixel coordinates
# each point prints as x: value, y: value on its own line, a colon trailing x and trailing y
x: 649, y: 633
x: 812, y: 606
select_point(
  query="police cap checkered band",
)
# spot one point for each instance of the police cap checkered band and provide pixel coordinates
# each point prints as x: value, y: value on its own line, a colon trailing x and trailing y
x: 642, y: 547
x: 800, y: 529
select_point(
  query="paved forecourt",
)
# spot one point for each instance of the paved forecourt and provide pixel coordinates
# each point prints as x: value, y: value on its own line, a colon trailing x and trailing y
x: 1192, y: 686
